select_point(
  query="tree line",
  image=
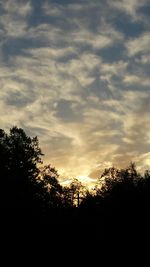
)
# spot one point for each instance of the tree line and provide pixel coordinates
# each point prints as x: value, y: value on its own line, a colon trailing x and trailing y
x: 31, y: 188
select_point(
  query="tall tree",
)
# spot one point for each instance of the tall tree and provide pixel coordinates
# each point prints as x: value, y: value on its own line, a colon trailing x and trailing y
x: 19, y: 156
x: 74, y: 194
x: 51, y: 188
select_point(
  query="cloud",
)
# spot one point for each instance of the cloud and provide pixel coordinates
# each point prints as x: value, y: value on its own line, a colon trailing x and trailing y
x: 68, y: 111
x: 74, y: 127
x: 13, y: 21
x: 134, y: 79
x: 139, y: 45
x: 144, y: 59
x: 130, y: 7
x: 143, y: 162
x: 15, y: 7
x: 88, y: 110
x: 108, y: 70
x: 79, y: 25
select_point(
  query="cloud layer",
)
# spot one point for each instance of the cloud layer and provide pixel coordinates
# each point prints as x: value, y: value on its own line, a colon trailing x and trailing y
x: 75, y: 76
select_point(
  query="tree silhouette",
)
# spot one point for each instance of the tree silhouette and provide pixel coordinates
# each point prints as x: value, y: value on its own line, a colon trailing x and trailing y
x: 19, y: 156
x: 120, y: 199
x: 51, y: 188
x: 120, y: 186
x: 74, y: 194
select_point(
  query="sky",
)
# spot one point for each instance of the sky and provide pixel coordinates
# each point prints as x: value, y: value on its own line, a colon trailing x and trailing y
x: 76, y: 74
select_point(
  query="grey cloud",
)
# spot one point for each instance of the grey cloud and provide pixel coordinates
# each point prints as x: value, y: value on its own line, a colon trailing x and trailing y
x: 34, y: 131
x: 100, y: 89
x: 81, y: 27
x: 60, y: 143
x: 66, y: 112
x: 14, y: 17
x: 15, y: 7
x: 19, y: 99
x: 129, y: 7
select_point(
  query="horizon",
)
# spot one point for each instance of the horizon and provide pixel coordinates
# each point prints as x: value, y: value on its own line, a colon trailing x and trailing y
x: 76, y: 75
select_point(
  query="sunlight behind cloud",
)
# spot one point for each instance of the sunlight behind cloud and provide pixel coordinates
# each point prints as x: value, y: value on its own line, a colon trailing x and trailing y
x: 78, y: 77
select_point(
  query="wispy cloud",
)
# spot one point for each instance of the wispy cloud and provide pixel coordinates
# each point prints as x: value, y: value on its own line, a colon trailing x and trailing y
x: 129, y: 7
x: 139, y: 45
x: 13, y: 20
x: 62, y: 79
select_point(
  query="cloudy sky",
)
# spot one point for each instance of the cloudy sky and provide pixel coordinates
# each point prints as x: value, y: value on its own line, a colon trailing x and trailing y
x: 76, y: 74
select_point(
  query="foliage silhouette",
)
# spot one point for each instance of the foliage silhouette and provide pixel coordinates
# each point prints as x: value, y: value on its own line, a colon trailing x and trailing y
x: 74, y: 194
x: 19, y: 156
x: 51, y: 190
x: 120, y: 199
